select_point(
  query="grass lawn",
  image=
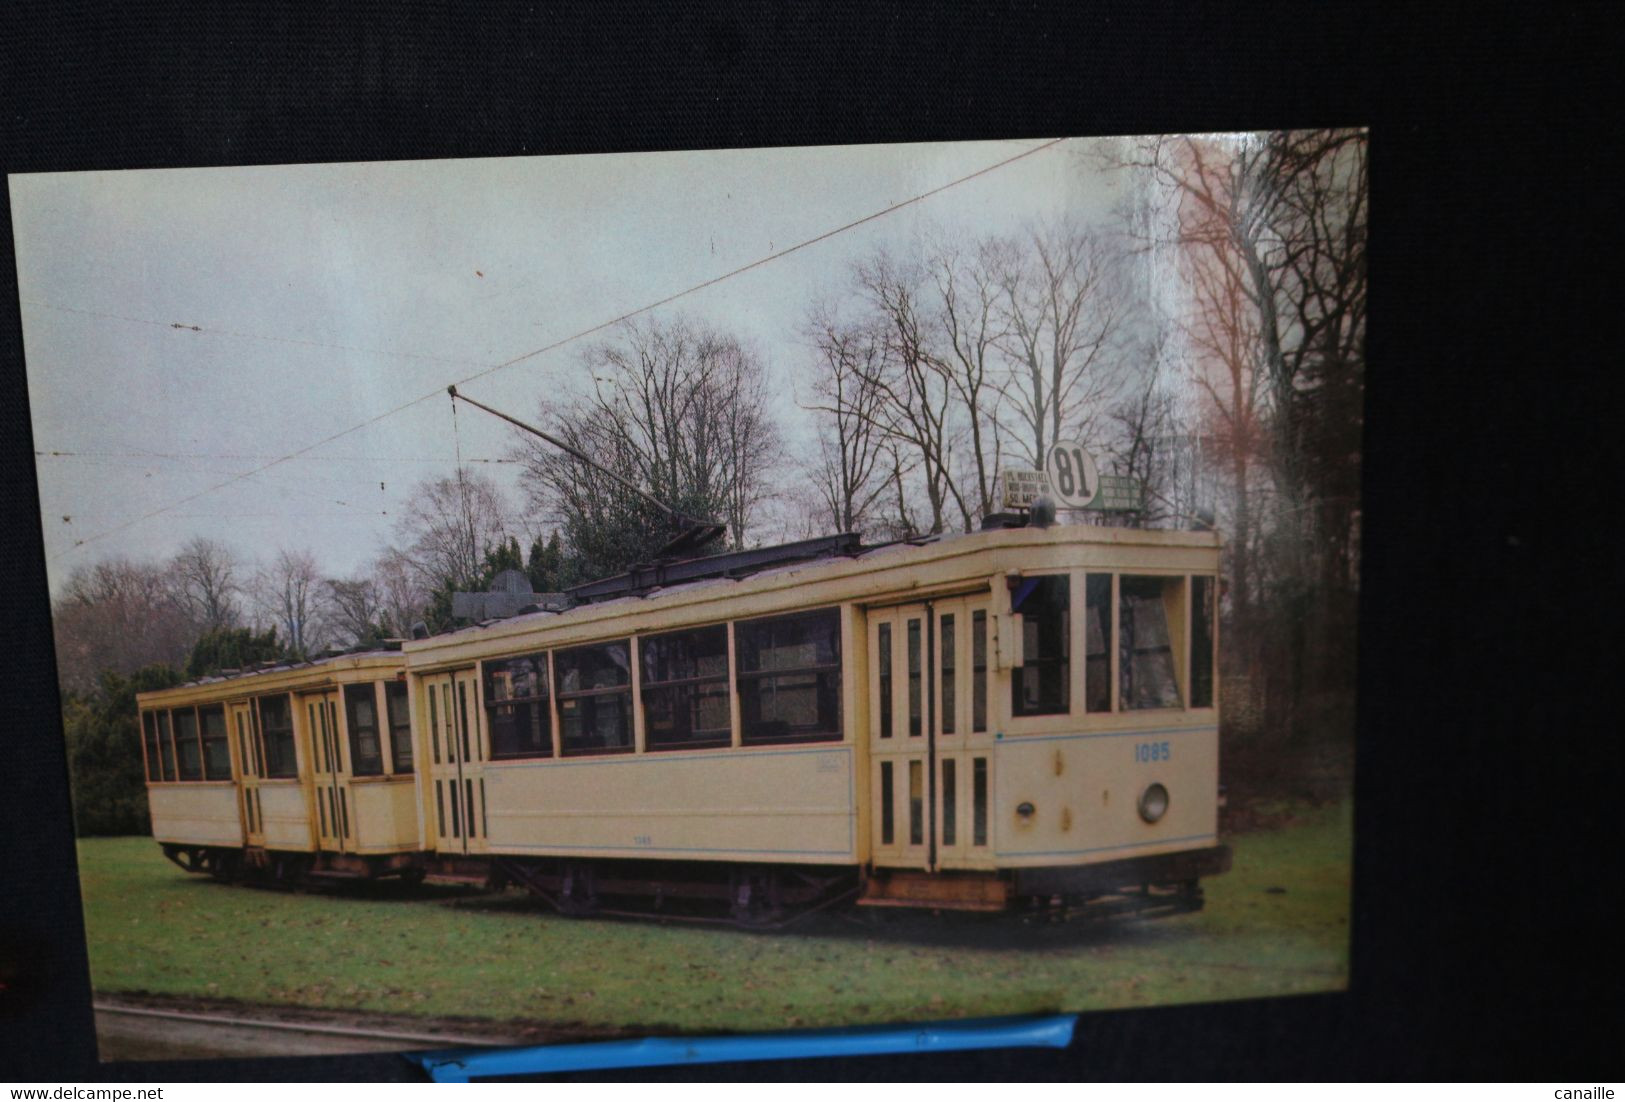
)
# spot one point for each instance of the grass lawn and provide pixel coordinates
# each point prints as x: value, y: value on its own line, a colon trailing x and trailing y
x: 1277, y: 923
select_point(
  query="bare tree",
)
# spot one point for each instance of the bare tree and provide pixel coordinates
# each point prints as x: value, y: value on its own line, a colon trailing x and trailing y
x: 119, y: 616
x: 449, y: 525
x: 1064, y: 305
x: 1151, y: 442
x: 1226, y: 365
x: 206, y: 580
x: 676, y: 408
x: 851, y: 477
x: 738, y: 404
x: 401, y: 596
x: 902, y: 522
x: 969, y: 316
x: 1318, y: 362
x: 1270, y: 234
x: 354, y: 608
x: 980, y: 344
x: 289, y: 590
x: 918, y: 415
x: 1282, y: 223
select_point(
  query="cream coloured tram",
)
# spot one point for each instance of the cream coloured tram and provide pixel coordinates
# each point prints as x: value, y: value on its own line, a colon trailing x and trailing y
x: 286, y: 770
x: 1019, y: 716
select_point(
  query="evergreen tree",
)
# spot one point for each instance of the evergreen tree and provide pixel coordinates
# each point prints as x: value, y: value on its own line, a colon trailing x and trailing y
x: 231, y: 649
x: 549, y: 570
x: 104, y: 752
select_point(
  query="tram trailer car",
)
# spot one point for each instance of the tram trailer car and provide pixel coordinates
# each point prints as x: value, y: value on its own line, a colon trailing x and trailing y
x: 1018, y: 717
x: 286, y: 771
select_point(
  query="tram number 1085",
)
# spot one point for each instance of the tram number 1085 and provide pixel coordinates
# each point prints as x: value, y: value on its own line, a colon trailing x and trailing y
x: 1152, y: 751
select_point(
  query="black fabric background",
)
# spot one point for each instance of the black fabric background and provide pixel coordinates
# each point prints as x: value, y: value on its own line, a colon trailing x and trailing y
x: 1486, y: 889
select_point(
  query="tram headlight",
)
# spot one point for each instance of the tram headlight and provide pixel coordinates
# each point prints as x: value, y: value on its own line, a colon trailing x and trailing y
x: 1153, y: 803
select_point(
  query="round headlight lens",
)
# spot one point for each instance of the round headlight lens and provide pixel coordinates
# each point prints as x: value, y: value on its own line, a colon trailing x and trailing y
x: 1153, y: 803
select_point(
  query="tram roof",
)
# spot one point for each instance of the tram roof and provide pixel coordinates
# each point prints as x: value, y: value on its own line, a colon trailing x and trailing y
x: 829, y: 568
x: 265, y: 676
x: 294, y: 675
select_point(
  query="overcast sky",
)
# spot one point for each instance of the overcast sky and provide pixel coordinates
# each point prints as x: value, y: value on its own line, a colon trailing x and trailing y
x: 326, y: 296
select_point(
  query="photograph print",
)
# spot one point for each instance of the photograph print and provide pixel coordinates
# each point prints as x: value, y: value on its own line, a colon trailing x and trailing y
x: 551, y: 598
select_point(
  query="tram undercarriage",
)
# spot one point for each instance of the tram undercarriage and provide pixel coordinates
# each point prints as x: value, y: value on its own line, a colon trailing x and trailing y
x: 759, y: 897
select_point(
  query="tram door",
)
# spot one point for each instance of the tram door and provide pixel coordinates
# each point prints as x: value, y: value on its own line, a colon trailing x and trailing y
x: 321, y: 712
x: 240, y: 722
x: 456, y: 755
x: 930, y: 743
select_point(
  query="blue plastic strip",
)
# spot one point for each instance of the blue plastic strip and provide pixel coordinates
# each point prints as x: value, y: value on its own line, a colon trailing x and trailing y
x: 462, y: 1065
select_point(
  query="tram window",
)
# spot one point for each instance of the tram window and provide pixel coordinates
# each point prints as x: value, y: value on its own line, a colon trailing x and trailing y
x: 978, y: 802
x: 914, y: 727
x: 1042, y: 684
x: 245, y: 755
x: 790, y: 678
x: 1097, y: 641
x: 978, y: 669
x: 888, y: 806
x: 916, y: 803
x: 188, y: 751
x: 149, y: 727
x: 434, y: 726
x: 321, y: 763
x: 1204, y: 613
x: 595, y: 698
x: 276, y: 733
x: 166, y: 746
x: 517, y: 710
x: 361, y: 714
x: 945, y: 655
x: 400, y: 726
x: 257, y: 739
x: 885, y: 681
x: 685, y: 689
x: 950, y: 802
x: 216, y: 743
x: 1145, y: 659
x: 464, y: 724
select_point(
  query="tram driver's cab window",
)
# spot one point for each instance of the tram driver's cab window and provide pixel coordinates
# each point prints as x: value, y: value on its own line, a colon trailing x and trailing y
x: 149, y: 727
x: 1149, y: 615
x: 1097, y: 643
x: 188, y: 750
x: 1204, y: 629
x: 1041, y: 685
x: 216, y: 746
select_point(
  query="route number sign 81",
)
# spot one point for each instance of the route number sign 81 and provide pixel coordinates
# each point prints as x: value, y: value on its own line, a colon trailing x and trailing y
x: 1072, y: 474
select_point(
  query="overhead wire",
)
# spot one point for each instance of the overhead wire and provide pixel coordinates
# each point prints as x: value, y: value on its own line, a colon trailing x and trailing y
x: 552, y: 346
x: 183, y: 456
x: 213, y: 331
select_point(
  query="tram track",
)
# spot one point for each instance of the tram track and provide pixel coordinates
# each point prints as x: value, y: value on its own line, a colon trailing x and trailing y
x: 133, y: 1032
